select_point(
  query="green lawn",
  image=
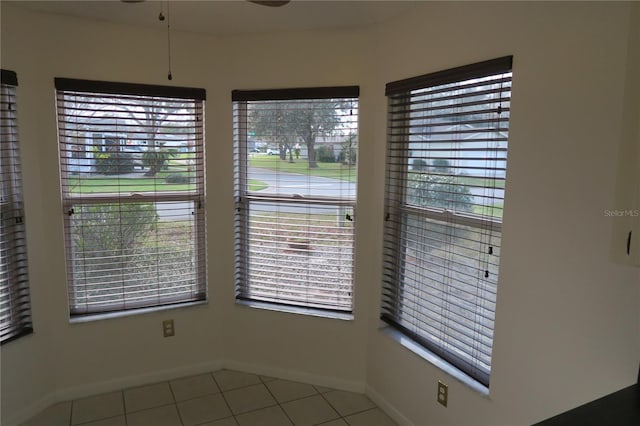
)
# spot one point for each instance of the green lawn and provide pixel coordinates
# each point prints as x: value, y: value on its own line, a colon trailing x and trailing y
x: 301, y: 166
x: 495, y: 210
x: 257, y: 185
x: 481, y: 182
x: 96, y: 185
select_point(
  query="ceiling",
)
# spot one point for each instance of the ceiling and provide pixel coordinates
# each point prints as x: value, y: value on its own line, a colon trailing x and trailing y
x: 233, y: 17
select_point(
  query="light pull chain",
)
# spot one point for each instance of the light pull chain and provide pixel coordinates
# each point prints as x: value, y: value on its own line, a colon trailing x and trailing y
x: 161, y: 17
x: 169, y: 76
x: 161, y: 14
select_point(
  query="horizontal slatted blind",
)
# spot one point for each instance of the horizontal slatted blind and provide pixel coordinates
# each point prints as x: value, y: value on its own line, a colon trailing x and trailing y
x: 132, y: 165
x: 446, y: 170
x: 15, y: 311
x: 295, y: 187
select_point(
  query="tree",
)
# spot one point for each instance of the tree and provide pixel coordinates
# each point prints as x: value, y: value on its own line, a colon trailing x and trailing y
x: 155, y: 157
x: 155, y: 118
x: 143, y: 122
x: 272, y: 124
x: 286, y: 123
x: 441, y: 166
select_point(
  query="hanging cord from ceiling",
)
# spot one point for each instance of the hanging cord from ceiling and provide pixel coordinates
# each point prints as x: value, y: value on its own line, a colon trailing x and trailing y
x: 169, y: 76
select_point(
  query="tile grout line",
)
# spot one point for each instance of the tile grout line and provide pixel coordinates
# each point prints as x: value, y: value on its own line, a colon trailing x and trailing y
x: 223, y: 397
x: 361, y: 411
x: 175, y: 402
x: 100, y: 420
x: 194, y: 397
x: 279, y: 405
x: 261, y: 381
x: 124, y: 407
x: 255, y: 409
x: 334, y: 408
x: 150, y: 408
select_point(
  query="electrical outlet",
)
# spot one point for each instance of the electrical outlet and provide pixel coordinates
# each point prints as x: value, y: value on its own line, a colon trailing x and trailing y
x: 168, y: 329
x: 443, y: 393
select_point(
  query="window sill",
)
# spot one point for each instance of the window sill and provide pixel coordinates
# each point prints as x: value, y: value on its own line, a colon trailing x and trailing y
x: 79, y: 319
x: 296, y: 310
x: 435, y: 360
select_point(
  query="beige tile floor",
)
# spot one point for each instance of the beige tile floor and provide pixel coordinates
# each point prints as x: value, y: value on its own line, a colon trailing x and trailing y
x: 221, y: 398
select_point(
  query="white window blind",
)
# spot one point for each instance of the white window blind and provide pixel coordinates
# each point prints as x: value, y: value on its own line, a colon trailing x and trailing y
x: 15, y: 311
x: 295, y: 188
x: 446, y: 170
x: 132, y: 166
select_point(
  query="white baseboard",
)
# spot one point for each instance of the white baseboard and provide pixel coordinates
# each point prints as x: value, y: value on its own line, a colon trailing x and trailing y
x: 297, y: 376
x: 137, y: 380
x: 385, y: 406
x: 29, y: 411
x: 82, y: 391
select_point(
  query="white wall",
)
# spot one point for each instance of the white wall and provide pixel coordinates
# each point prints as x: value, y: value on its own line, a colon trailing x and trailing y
x: 277, y: 340
x: 90, y: 357
x: 567, y: 319
x: 26, y: 369
x: 567, y: 326
x: 76, y: 359
x: 628, y: 188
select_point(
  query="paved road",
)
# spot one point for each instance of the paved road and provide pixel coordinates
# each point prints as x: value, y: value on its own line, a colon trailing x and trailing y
x: 278, y: 183
x: 304, y: 185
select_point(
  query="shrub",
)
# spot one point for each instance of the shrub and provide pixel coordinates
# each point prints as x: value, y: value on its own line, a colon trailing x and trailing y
x: 324, y: 154
x: 348, y: 151
x: 114, y: 163
x: 419, y: 164
x: 118, y: 228
x: 439, y: 191
x: 178, y: 178
x: 347, y: 156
